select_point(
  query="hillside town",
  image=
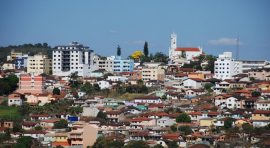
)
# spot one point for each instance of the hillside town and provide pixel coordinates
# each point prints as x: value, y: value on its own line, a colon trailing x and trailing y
x: 188, y: 99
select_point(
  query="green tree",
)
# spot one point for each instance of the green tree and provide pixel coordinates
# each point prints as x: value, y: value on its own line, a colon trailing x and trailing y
x: 211, y: 63
x: 140, y: 82
x: 183, y: 54
x: 228, y: 123
x: 59, y: 146
x: 145, y: 49
x: 107, y: 143
x: 158, y: 146
x: 183, y: 118
x: 73, y: 76
x: 62, y: 123
x: 106, y: 91
x: 19, y: 145
x: 137, y: 144
x: 56, y: 91
x: 26, y: 141
x: 118, y: 50
x: 255, y: 94
x: 173, y: 128
x: 208, y: 86
x: 24, y: 109
x: 160, y: 57
x: 38, y: 128
x: 102, y: 115
x: 143, y: 89
x: 17, y: 127
x: 4, y: 88
x: 186, y: 129
x: 107, y: 74
x: 214, y: 109
x: 88, y: 88
x: 249, y: 130
x: 164, y: 97
x: 173, y: 144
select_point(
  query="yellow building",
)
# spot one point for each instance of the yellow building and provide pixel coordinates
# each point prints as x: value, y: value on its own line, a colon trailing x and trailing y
x: 265, y: 85
x: 39, y: 64
x: 196, y: 75
x: 261, y: 115
x: 207, y: 121
x: 240, y: 122
x: 61, y: 137
x: 153, y: 74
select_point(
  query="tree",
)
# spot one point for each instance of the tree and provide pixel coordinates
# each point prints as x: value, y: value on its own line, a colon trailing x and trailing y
x: 208, y: 85
x: 88, y: 88
x: 214, y: 109
x: 145, y: 49
x: 186, y: 129
x: 62, y: 123
x: 108, y: 142
x: 24, y: 109
x: 102, y: 115
x: 19, y: 145
x: 73, y: 76
x: 211, y: 63
x: 255, y: 94
x: 173, y: 128
x: 26, y: 141
x: 118, y: 51
x: 228, y: 123
x: 143, y: 89
x: 140, y: 82
x: 183, y: 54
x: 59, y: 146
x: 136, y: 55
x: 45, y: 44
x: 38, y: 128
x: 4, y: 88
x: 17, y: 127
x: 173, y: 144
x: 137, y: 144
x: 106, y: 91
x: 160, y: 57
x: 164, y: 97
x: 183, y: 118
x: 107, y: 74
x: 158, y: 146
x: 56, y: 91
x: 249, y: 130
x: 251, y: 78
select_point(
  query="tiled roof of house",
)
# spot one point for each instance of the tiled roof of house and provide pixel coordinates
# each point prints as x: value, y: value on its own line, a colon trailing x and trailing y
x: 187, y: 49
x: 116, y: 112
x: 261, y: 112
x: 173, y: 115
x: 29, y: 123
x: 195, y: 113
x: 197, y: 90
x: 40, y: 115
x: 242, y: 91
x: 196, y: 79
x: 35, y: 132
x: 141, y: 119
x: 161, y: 114
x: 49, y: 121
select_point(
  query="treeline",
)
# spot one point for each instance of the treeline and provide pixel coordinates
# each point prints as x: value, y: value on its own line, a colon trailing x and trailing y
x: 31, y: 49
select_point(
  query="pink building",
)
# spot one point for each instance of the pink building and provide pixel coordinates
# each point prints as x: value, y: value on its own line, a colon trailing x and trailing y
x: 33, y: 84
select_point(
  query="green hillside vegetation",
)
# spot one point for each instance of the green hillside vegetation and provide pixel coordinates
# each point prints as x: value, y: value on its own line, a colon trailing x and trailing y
x: 25, y: 48
x: 9, y: 112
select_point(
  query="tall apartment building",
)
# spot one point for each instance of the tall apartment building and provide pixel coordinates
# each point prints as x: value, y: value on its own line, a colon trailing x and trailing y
x: 21, y: 61
x: 252, y: 64
x: 34, y: 84
x: 39, y: 64
x: 104, y: 64
x: 121, y: 65
x: 226, y: 66
x: 153, y: 74
x: 13, y: 55
x: 72, y: 58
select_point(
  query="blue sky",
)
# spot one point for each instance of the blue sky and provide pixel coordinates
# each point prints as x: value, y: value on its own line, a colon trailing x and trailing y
x: 102, y: 25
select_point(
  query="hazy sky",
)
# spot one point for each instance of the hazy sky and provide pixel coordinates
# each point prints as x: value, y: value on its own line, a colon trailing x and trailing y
x: 102, y: 25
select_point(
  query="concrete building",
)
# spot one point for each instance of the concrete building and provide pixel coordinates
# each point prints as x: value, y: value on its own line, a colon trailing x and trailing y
x: 9, y: 65
x: 15, y: 99
x: 39, y: 64
x: 175, y: 52
x: 104, y: 64
x: 21, y: 61
x: 252, y: 64
x: 226, y: 66
x: 33, y: 84
x: 153, y: 74
x: 121, y: 65
x: 72, y: 58
x: 13, y: 55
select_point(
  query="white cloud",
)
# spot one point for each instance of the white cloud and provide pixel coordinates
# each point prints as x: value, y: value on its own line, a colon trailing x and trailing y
x: 113, y: 31
x: 224, y: 41
x: 188, y: 44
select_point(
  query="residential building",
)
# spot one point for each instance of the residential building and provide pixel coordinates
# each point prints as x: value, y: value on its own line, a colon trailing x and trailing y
x: 115, y: 116
x: 260, y: 118
x: 165, y: 122
x: 190, y: 52
x: 29, y: 125
x: 121, y: 65
x: 39, y: 64
x: 191, y: 93
x: 258, y: 74
x: 153, y: 74
x: 72, y: 58
x: 196, y: 76
x: 207, y: 121
x: 60, y: 137
x: 13, y: 55
x: 9, y: 65
x: 36, y: 134
x: 40, y: 117
x: 83, y: 134
x: 148, y: 99
x: 15, y: 99
x: 104, y: 84
x: 117, y: 78
x: 252, y: 64
x: 226, y: 66
x: 106, y: 64
x: 31, y: 84
x: 195, y: 116
x: 193, y: 83
x: 21, y: 61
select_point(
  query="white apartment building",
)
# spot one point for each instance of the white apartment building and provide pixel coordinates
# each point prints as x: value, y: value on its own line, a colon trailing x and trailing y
x: 226, y: 66
x: 252, y: 64
x: 153, y: 74
x: 72, y: 58
x: 39, y: 64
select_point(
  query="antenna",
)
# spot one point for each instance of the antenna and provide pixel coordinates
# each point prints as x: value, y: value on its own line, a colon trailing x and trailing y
x: 237, y: 48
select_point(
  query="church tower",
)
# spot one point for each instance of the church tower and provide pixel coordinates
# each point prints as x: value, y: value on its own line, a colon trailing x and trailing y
x: 173, y: 45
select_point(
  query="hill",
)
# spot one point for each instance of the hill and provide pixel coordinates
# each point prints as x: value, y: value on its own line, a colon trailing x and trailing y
x: 26, y: 48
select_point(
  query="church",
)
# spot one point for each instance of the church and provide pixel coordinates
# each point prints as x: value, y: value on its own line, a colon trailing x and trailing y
x: 176, y: 52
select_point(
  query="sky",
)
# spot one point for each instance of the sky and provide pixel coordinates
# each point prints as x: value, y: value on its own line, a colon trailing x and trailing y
x: 104, y: 24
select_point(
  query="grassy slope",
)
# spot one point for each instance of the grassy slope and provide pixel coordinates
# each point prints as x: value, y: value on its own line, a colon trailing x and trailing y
x: 5, y: 51
x: 9, y: 112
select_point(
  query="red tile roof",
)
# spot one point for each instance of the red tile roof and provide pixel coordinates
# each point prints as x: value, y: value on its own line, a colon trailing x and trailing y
x: 195, y: 113
x: 169, y: 87
x: 141, y: 119
x: 60, y: 143
x: 196, y: 79
x: 192, y: 49
x: 266, y: 91
x: 49, y: 121
x: 261, y: 112
x: 29, y: 123
x: 242, y: 91
x: 173, y: 115
x: 35, y: 132
x: 37, y: 115
x: 197, y: 90
x: 161, y: 114
x: 180, y: 75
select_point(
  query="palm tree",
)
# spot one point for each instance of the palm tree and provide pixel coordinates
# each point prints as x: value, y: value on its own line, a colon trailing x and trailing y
x: 73, y: 76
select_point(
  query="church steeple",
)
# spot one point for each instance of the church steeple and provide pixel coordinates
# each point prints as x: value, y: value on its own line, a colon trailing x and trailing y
x: 173, y: 41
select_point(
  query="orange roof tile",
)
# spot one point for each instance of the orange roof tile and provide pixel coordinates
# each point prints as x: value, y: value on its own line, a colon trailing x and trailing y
x: 60, y: 143
x: 192, y: 49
